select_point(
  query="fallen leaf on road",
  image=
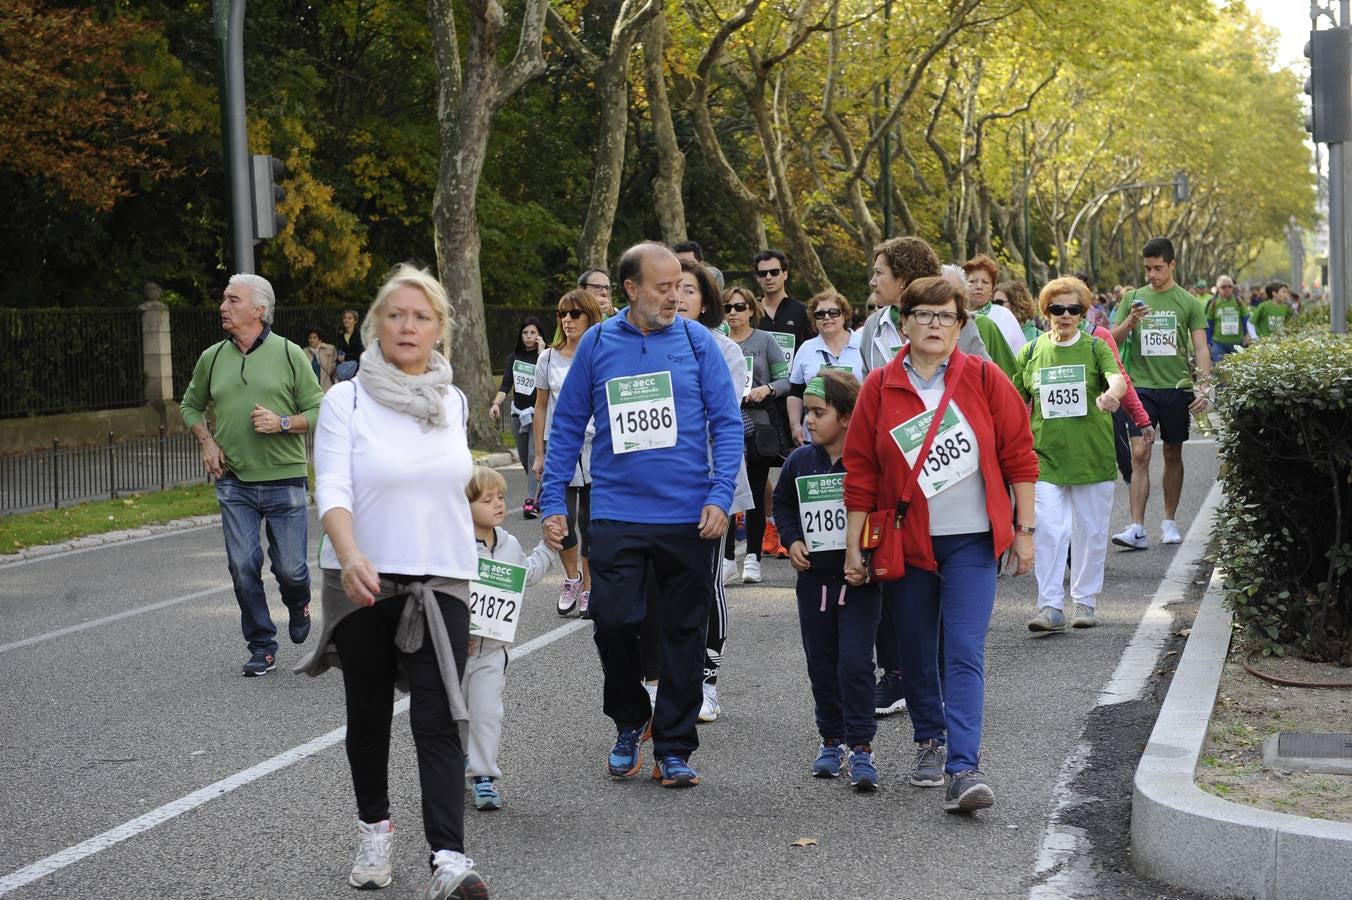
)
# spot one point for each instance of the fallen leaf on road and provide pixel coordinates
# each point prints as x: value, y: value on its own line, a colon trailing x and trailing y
x: 1183, y: 632
x: 1171, y: 653
x: 804, y: 842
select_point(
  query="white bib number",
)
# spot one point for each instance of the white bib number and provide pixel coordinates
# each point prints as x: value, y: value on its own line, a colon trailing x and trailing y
x: 1229, y: 322
x: 821, y: 510
x: 1062, y: 392
x: 1277, y: 324
x: 523, y: 377
x: 750, y: 373
x: 642, y: 412
x: 1159, y: 334
x: 495, y: 600
x: 786, y: 343
x: 952, y: 456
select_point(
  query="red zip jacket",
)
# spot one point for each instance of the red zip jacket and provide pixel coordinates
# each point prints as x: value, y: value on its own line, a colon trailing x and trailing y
x: 876, y: 472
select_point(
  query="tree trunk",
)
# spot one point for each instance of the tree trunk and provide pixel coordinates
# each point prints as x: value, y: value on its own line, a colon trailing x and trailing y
x: 612, y: 83
x: 667, y: 201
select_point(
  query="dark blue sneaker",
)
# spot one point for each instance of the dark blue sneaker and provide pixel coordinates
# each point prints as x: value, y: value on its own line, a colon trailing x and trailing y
x: 830, y: 757
x: 888, y: 696
x: 298, y: 624
x: 626, y: 757
x: 863, y: 774
x: 674, y: 772
x: 260, y: 663
x: 967, y: 792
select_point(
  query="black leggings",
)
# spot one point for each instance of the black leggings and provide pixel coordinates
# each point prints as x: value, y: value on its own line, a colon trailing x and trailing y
x: 757, y: 475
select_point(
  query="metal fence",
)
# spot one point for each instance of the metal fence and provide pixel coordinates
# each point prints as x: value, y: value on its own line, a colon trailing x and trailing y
x: 195, y: 328
x: 57, y: 361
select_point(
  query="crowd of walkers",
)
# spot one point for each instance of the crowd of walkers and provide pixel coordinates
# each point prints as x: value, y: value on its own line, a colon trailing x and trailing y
x: 899, y: 454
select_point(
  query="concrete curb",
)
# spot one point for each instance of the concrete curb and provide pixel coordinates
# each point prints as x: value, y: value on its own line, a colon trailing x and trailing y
x: 493, y: 460
x: 1184, y: 836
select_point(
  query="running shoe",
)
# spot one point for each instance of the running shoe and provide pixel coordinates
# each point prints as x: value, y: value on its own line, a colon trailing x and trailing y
x: 674, y: 772
x: 1169, y: 532
x: 454, y: 878
x: 751, y: 573
x: 888, y: 696
x: 486, y: 796
x: 967, y: 792
x: 583, y: 605
x: 928, y: 770
x: 530, y: 509
x: 1132, y: 537
x: 298, y: 624
x: 259, y: 664
x: 372, y: 869
x: 729, y: 570
x: 568, y: 598
x: 1084, y: 617
x: 626, y: 757
x: 709, y: 708
x: 770, y: 545
x: 1049, y: 618
x: 830, y: 757
x: 863, y: 774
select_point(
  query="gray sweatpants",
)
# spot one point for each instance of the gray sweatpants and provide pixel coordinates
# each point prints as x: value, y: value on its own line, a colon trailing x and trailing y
x: 483, y: 684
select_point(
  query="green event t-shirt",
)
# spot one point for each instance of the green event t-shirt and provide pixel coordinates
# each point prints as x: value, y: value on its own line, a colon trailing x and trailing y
x: 1159, y: 348
x: 996, y: 345
x: 1270, y: 318
x: 1073, y: 449
x: 1227, y: 316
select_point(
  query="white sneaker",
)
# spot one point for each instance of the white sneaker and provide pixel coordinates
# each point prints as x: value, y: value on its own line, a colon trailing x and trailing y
x: 729, y: 570
x: 1169, y: 532
x: 710, y: 709
x: 1132, y: 537
x: 751, y: 570
x: 568, y: 597
x: 453, y: 875
x: 652, y: 693
x: 372, y: 867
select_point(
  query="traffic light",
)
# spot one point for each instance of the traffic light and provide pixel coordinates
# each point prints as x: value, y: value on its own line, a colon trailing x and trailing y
x: 266, y: 174
x: 1330, y: 85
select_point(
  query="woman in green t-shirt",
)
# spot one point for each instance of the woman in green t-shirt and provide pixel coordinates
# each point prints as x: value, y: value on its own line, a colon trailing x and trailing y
x: 1075, y: 386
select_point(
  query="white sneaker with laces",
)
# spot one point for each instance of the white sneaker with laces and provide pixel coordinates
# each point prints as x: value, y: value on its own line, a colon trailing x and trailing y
x: 751, y: 573
x: 1169, y: 532
x: 372, y: 868
x: 710, y: 709
x: 568, y: 597
x: 729, y: 570
x: 453, y: 875
x: 1132, y: 537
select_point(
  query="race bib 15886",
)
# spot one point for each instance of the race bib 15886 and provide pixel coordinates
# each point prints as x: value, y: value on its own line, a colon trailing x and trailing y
x: 495, y: 600
x: 642, y: 412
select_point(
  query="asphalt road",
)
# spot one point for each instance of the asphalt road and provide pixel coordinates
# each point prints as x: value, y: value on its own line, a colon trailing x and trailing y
x: 124, y: 712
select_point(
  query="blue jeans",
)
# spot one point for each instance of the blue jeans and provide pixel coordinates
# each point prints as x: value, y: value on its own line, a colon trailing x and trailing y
x: 283, y: 508
x: 1219, y: 350
x: 956, y: 602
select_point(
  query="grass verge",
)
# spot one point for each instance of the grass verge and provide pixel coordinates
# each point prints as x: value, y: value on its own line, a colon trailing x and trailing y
x: 55, y: 525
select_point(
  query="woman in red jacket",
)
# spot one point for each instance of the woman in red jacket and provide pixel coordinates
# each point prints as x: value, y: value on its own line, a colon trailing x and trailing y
x: 958, y: 525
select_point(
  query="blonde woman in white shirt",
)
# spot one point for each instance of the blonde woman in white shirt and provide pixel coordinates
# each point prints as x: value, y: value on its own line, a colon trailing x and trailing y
x: 391, y: 464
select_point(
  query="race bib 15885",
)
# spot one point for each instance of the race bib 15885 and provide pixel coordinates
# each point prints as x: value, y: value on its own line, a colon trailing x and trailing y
x: 952, y: 456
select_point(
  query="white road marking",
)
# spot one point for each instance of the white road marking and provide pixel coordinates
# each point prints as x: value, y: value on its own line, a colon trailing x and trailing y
x: 62, y: 554
x: 94, y: 623
x: 71, y: 855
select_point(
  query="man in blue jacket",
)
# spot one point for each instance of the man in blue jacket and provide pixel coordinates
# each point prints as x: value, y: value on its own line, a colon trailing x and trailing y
x: 660, y: 394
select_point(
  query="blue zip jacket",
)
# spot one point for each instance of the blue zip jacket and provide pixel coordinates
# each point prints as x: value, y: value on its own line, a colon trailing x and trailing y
x: 808, y: 459
x: 667, y: 486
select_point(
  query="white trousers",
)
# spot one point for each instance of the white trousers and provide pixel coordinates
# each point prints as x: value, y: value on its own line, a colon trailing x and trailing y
x: 483, y: 684
x: 1074, y: 519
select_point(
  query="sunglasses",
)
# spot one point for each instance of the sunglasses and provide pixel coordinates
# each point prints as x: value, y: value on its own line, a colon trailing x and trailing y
x: 823, y: 314
x: 871, y: 307
x: 571, y: 313
x: 1074, y: 309
x: 999, y: 302
x: 735, y: 307
x: 767, y: 273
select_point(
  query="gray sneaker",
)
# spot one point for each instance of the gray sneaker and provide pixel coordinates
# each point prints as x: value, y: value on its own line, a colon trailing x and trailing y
x: 1084, y: 617
x: 967, y: 792
x: 1049, y: 618
x: 928, y: 770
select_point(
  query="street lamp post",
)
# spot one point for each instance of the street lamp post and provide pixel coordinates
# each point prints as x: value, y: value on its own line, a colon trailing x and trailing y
x: 229, y: 30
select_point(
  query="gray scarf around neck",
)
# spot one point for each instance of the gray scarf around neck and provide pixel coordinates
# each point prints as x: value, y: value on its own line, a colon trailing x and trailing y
x: 420, y: 396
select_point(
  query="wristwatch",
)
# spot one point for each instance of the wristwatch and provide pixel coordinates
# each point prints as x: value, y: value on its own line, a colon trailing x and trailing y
x: 286, y: 424
x: 1025, y: 529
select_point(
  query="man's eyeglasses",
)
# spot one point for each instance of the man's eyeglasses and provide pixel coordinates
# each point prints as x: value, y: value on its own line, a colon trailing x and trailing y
x: 768, y: 273
x: 871, y: 307
x: 998, y: 301
x: 735, y: 307
x: 822, y: 314
x: 598, y: 288
x: 1074, y: 309
x: 571, y: 313
x: 947, y: 317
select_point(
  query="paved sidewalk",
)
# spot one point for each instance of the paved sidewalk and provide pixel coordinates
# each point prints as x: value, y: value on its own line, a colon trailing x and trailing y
x: 1182, y: 835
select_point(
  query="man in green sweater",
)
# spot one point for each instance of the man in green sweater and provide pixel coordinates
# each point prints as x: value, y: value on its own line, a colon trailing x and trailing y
x: 265, y: 397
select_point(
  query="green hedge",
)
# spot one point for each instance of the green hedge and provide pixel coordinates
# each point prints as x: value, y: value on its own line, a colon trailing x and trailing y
x: 1284, y: 534
x: 1314, y: 317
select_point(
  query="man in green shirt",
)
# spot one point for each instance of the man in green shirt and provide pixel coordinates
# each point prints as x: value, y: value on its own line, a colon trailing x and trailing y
x: 1162, y: 330
x: 265, y: 397
x: 1227, y: 319
x: 1270, y: 317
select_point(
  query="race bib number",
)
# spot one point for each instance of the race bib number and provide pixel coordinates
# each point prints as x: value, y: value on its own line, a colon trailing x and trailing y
x: 1159, y: 334
x: 786, y: 343
x: 1229, y: 322
x: 1277, y: 323
x: 495, y: 600
x: 821, y: 510
x: 750, y: 374
x: 1062, y: 392
x: 523, y: 377
x: 642, y: 412
x: 952, y: 456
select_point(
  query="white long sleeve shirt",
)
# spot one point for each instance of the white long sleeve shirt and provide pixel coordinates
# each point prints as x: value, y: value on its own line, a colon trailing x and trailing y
x: 405, y: 487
